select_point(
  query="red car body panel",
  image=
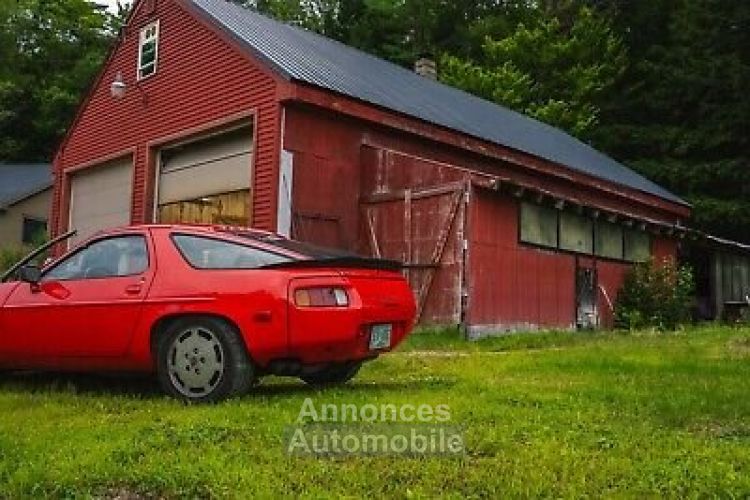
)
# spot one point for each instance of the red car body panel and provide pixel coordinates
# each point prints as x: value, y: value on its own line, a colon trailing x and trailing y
x: 108, y: 323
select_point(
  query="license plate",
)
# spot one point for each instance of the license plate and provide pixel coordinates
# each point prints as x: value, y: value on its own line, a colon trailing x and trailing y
x: 380, y: 336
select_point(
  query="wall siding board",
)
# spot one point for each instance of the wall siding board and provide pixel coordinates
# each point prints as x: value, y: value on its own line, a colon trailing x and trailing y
x: 201, y: 78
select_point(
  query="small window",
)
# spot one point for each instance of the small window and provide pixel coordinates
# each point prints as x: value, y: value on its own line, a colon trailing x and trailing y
x: 576, y: 233
x: 538, y: 225
x: 33, y: 231
x: 609, y: 240
x: 148, y: 50
x: 637, y: 246
x: 210, y: 253
x: 114, y: 257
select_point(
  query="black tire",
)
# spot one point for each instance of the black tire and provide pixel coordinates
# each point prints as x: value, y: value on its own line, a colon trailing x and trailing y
x: 333, y: 375
x: 203, y: 360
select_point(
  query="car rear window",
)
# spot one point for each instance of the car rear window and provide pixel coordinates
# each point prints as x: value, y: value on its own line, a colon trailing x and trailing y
x: 305, y: 249
x: 211, y: 253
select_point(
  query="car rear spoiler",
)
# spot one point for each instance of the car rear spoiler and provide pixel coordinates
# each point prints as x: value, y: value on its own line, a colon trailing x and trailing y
x: 345, y: 262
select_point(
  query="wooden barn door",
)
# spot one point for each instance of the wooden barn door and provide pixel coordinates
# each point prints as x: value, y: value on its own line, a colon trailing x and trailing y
x: 424, y: 229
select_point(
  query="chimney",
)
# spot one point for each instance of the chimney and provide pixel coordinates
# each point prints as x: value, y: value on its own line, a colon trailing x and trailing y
x: 426, y: 67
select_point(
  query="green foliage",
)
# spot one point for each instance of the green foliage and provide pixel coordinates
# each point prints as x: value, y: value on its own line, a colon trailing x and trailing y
x: 552, y: 71
x: 681, y: 111
x: 50, y: 51
x: 9, y: 256
x: 655, y: 295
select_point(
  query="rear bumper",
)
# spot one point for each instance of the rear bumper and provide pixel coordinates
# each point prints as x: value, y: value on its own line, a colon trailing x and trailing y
x: 324, y: 335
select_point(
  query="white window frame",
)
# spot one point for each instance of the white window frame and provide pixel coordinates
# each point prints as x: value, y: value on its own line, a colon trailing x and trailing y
x: 142, y: 40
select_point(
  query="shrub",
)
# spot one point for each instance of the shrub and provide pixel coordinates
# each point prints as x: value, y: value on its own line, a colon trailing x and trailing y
x: 9, y: 256
x: 655, y: 295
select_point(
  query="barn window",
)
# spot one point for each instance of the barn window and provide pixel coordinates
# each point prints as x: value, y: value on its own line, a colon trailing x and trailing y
x: 609, y: 240
x: 576, y: 233
x: 148, y: 50
x: 637, y: 246
x: 539, y: 225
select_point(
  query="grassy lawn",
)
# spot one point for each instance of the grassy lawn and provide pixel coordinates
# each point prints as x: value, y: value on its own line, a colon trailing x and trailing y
x: 544, y: 414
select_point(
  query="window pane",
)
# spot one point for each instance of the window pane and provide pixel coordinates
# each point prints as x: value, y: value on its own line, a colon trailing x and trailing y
x: 576, y: 233
x: 113, y: 257
x: 538, y: 225
x: 637, y: 246
x: 148, y: 54
x: 609, y: 240
x: 209, y: 253
x: 34, y: 230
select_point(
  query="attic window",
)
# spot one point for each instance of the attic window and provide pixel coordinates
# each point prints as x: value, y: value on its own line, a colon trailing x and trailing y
x: 148, y: 50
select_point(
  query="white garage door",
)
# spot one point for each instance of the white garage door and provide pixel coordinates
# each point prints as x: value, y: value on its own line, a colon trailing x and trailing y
x: 213, y: 166
x: 100, y: 198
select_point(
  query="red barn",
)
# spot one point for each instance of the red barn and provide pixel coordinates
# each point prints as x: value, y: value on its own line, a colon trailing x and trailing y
x: 208, y: 112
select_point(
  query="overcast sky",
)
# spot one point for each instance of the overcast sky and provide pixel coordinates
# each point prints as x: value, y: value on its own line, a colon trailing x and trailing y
x: 112, y: 4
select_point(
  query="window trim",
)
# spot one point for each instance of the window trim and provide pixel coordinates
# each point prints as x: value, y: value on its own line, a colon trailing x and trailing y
x: 222, y: 240
x: 141, y: 33
x: 88, y: 244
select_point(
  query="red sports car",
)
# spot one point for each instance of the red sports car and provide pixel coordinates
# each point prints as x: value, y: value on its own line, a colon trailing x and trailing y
x: 209, y: 309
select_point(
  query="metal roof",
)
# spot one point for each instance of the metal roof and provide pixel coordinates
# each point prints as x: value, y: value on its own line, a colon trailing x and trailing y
x: 307, y: 57
x: 18, y: 181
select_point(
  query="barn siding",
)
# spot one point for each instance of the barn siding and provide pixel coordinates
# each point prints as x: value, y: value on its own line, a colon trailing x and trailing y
x: 510, y: 286
x: 201, y: 79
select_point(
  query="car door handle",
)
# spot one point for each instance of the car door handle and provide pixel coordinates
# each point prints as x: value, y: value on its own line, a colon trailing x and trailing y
x: 135, y: 288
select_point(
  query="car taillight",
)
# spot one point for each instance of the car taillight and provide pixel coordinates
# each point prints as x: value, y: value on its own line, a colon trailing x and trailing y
x: 321, y: 297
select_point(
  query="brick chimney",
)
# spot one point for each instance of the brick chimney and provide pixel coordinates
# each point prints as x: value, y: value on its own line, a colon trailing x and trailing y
x: 426, y: 67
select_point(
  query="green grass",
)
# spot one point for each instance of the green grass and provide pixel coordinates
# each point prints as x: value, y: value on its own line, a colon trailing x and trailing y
x: 555, y: 414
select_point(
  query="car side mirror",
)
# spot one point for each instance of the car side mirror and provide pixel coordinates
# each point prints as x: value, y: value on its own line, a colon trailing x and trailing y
x: 30, y: 274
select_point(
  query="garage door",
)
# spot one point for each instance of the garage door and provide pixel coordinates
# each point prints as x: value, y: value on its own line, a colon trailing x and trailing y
x: 100, y: 198
x: 207, y: 181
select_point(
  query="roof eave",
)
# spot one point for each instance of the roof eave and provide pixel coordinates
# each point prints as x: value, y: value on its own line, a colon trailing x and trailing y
x: 26, y: 195
x: 682, y: 208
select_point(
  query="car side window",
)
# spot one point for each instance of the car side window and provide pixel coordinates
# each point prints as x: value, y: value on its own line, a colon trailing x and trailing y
x: 113, y: 257
x: 211, y: 253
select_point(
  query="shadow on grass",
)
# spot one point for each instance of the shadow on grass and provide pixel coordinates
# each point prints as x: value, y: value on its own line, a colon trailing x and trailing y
x: 293, y: 387
x: 147, y: 387
x: 133, y: 385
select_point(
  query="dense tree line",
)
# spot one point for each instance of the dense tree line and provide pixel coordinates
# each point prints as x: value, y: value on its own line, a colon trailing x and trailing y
x: 661, y: 85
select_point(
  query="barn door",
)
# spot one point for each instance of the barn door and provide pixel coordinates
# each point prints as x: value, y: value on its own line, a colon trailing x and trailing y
x: 424, y: 229
x: 587, y: 315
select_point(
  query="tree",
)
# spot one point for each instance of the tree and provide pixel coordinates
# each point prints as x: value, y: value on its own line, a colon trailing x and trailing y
x: 553, y: 69
x: 681, y: 112
x: 50, y: 52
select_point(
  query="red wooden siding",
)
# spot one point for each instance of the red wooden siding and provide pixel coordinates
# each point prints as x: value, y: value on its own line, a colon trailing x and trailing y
x: 511, y: 286
x: 342, y: 166
x: 201, y: 79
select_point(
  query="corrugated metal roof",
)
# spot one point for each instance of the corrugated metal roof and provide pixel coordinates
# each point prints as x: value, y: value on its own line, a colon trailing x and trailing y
x: 307, y: 57
x: 19, y: 180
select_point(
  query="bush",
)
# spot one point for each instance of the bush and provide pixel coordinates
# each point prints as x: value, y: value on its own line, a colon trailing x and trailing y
x: 655, y: 295
x: 9, y: 256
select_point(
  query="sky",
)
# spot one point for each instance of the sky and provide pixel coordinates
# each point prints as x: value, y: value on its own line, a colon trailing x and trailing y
x: 111, y: 4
